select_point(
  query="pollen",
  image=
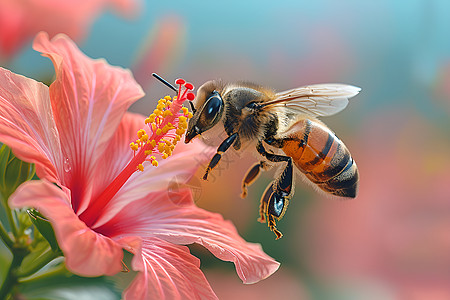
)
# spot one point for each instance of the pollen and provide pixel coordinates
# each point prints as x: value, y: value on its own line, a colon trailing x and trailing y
x: 180, y: 131
x: 161, y: 147
x: 167, y: 113
x: 165, y: 127
x: 134, y: 146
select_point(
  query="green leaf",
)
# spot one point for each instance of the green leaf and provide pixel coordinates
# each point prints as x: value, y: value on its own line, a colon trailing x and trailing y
x: 44, y: 227
x: 5, y: 261
x: 69, y: 287
x: 37, y: 251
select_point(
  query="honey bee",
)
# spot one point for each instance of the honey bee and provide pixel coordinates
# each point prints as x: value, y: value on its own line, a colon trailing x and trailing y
x: 287, y: 124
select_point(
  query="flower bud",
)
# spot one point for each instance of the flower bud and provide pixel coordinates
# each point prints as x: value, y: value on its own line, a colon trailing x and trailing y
x: 13, y: 172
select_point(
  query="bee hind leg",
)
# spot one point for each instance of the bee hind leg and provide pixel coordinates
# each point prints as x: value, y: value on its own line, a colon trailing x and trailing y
x: 264, y: 202
x: 284, y: 183
x: 273, y: 226
x: 275, y: 199
x: 222, y: 148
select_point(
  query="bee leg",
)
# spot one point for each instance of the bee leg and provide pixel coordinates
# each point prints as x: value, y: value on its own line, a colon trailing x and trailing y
x: 284, y: 182
x: 264, y: 202
x: 277, y: 195
x: 251, y: 176
x: 262, y: 212
x: 222, y: 148
x: 273, y: 226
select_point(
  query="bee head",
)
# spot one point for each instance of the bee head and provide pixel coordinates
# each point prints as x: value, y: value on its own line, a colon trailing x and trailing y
x: 210, y: 107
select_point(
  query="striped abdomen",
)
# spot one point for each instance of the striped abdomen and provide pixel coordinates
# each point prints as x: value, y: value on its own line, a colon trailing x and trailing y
x: 322, y: 157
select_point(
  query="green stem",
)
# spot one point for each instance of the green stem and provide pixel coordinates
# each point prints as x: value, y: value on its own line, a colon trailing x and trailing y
x: 39, y: 263
x: 11, y: 277
x: 5, y: 237
x: 11, y: 220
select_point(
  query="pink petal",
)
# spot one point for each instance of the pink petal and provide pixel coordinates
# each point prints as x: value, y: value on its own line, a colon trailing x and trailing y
x: 117, y: 156
x: 27, y: 125
x: 87, y: 252
x: 178, y: 169
x: 157, y: 215
x: 166, y: 271
x: 89, y: 98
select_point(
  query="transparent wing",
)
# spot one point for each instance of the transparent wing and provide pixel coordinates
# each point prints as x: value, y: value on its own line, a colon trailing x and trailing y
x: 316, y: 100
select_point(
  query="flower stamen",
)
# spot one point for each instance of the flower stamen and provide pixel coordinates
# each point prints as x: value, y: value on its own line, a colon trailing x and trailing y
x: 166, y: 125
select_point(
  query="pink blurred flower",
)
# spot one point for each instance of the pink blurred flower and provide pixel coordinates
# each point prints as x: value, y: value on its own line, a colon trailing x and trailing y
x: 20, y: 20
x: 396, y: 232
x: 284, y: 284
x: 77, y: 132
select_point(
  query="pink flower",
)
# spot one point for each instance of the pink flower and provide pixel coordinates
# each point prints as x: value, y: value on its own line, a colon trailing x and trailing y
x: 78, y: 132
x: 20, y: 20
x: 395, y: 235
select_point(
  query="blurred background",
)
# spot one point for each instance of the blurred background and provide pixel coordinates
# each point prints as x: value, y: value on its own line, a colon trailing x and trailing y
x: 393, y: 240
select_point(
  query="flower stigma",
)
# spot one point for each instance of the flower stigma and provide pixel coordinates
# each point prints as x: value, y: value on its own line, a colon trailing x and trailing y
x: 165, y: 127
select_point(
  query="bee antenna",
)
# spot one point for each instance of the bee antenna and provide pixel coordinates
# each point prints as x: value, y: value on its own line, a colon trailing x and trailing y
x: 164, y: 82
x: 192, y: 107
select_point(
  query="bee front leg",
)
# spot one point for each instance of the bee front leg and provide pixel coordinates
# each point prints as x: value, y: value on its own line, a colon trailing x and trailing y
x: 222, y: 148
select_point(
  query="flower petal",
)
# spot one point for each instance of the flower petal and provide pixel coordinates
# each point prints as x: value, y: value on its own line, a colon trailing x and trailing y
x: 157, y: 215
x: 117, y: 156
x: 171, y: 173
x: 89, y: 98
x: 27, y: 125
x: 87, y: 252
x: 166, y: 271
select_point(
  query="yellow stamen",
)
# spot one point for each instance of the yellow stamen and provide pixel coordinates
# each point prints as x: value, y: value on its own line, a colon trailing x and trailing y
x: 179, y: 131
x: 161, y: 147
x: 133, y: 146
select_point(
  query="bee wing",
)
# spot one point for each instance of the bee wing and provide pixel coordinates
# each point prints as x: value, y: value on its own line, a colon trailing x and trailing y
x: 316, y: 100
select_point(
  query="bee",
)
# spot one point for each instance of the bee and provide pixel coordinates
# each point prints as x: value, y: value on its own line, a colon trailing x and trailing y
x: 286, y: 123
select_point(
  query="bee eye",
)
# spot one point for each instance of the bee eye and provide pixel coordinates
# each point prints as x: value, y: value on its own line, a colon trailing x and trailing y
x: 211, y: 112
x: 213, y: 105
